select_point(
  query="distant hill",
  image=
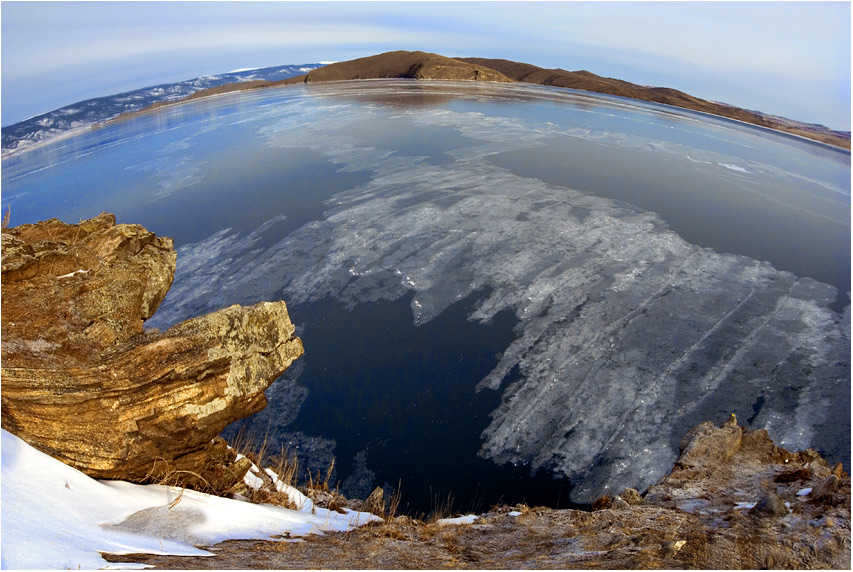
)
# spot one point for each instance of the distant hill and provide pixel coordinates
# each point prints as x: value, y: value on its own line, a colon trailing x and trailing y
x: 587, y: 81
x: 400, y: 64
x: 91, y: 112
x: 390, y: 65
x: 424, y: 65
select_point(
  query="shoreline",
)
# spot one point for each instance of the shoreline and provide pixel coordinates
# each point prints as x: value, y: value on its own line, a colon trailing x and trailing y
x: 385, y: 67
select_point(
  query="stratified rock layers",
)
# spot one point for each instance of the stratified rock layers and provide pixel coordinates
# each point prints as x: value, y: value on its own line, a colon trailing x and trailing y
x: 84, y: 383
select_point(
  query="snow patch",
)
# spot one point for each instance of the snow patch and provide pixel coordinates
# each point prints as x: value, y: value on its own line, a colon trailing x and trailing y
x: 55, y: 517
x: 467, y: 519
x: 71, y: 274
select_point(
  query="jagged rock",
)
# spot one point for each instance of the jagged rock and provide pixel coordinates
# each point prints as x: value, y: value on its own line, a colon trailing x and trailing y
x: 375, y: 503
x: 825, y: 489
x: 631, y: 496
x: 84, y: 383
x: 78, y: 289
x: 770, y: 505
x: 672, y: 547
x: 709, y: 445
x: 620, y: 504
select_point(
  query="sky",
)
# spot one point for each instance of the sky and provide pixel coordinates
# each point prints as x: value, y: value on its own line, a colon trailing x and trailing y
x: 785, y: 58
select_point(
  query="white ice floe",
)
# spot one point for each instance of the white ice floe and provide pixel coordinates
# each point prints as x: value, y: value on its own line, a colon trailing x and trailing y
x: 55, y: 517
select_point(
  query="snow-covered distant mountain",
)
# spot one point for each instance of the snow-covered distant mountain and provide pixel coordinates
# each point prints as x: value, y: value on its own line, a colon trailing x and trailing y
x: 82, y: 115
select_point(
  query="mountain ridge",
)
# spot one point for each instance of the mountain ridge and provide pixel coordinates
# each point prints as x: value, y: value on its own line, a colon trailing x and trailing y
x: 420, y: 66
x: 426, y: 66
x: 588, y: 81
x: 89, y: 113
x: 405, y: 65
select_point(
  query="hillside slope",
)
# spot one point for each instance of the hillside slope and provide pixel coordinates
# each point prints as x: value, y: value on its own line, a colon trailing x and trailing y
x: 402, y: 64
x: 588, y: 81
x: 424, y: 65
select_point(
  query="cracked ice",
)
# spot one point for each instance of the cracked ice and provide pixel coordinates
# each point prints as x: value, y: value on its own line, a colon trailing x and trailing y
x: 628, y: 335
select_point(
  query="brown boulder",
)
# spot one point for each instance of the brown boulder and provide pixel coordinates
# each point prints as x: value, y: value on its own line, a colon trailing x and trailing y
x: 84, y: 383
x: 825, y: 489
x: 706, y: 445
x: 769, y: 506
x: 79, y: 289
x: 375, y: 502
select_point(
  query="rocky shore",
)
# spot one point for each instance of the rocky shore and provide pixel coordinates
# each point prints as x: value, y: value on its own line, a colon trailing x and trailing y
x: 734, y: 500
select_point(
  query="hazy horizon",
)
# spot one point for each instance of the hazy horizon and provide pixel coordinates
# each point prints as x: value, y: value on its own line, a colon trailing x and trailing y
x: 784, y: 58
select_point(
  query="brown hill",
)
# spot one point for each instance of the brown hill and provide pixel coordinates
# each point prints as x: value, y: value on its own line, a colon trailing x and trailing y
x: 588, y: 81
x: 402, y: 64
x: 424, y: 65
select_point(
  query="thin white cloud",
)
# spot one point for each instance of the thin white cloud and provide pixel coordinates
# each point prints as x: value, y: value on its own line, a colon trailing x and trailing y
x: 681, y: 43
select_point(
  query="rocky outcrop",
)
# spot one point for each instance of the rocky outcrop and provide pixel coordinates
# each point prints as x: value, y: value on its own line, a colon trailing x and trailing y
x: 83, y: 381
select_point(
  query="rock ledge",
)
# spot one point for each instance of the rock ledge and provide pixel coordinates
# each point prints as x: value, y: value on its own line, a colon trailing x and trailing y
x: 84, y: 383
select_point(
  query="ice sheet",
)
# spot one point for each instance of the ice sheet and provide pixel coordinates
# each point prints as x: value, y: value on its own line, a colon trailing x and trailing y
x: 629, y: 335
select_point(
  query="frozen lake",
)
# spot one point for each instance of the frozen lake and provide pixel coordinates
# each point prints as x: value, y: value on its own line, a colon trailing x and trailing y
x: 492, y: 281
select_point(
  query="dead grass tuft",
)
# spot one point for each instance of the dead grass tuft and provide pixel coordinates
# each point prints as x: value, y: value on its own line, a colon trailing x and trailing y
x: 441, y: 508
x: 394, y: 502
x: 317, y: 484
x: 602, y: 503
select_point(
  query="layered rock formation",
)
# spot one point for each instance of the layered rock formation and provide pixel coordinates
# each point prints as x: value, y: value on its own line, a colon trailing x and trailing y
x: 83, y: 381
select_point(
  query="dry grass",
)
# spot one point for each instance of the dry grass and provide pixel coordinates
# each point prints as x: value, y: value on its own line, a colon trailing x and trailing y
x: 394, y: 502
x: 317, y: 484
x: 284, y: 464
x: 602, y: 503
x: 441, y: 508
x: 286, y: 467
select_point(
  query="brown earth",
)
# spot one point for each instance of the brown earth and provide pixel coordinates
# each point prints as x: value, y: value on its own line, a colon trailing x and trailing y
x: 402, y: 64
x: 690, y: 519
